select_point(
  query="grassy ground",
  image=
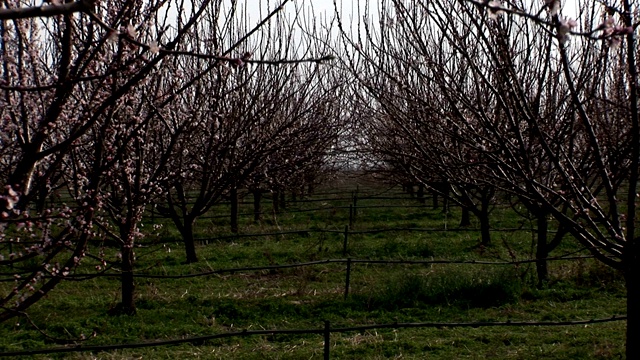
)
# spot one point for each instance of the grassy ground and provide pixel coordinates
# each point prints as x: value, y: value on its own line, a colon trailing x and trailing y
x: 300, y: 298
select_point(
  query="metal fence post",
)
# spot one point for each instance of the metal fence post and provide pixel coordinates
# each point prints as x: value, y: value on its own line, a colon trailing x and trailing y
x: 347, y: 279
x: 327, y: 339
x: 350, y: 214
x: 355, y: 206
x: 345, y: 244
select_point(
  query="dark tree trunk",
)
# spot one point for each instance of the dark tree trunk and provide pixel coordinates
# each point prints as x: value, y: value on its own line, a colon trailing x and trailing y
x: 445, y: 198
x: 257, y: 205
x: 189, y: 242
x: 542, y: 249
x: 127, y: 307
x: 485, y: 228
x: 234, y: 210
x: 436, y: 203
x: 41, y: 199
x: 283, y: 200
x: 543, y: 245
x: 486, y: 197
x: 632, y: 278
x: 465, y: 218
x: 420, y: 193
x: 275, y: 203
x: 409, y: 189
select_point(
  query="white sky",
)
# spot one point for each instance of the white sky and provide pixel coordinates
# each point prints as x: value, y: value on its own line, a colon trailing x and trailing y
x: 323, y: 11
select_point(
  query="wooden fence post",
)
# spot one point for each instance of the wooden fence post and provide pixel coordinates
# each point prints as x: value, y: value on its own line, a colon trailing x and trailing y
x: 346, y: 240
x: 347, y: 279
x: 327, y: 339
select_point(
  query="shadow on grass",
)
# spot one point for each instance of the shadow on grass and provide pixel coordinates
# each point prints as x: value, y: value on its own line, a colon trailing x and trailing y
x: 452, y: 289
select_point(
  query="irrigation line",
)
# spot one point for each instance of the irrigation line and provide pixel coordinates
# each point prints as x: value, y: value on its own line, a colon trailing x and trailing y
x: 293, y: 201
x: 390, y: 206
x: 478, y: 324
x: 469, y: 262
x: 324, y: 330
x: 304, y: 232
x: 353, y: 261
x: 375, y: 231
x: 321, y: 262
x: 351, y: 232
x: 296, y: 211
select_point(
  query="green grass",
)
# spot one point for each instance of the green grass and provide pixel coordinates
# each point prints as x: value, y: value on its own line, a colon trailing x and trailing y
x: 299, y: 298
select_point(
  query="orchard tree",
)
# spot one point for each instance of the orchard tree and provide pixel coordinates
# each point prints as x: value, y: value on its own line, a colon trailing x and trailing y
x: 62, y: 76
x: 409, y: 124
x: 244, y: 114
x: 305, y: 147
x: 77, y: 121
x: 537, y: 97
x: 269, y: 114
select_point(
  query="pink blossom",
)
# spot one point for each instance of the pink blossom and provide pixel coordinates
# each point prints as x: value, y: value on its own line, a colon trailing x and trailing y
x: 495, y: 9
x: 615, y: 41
x: 153, y: 47
x: 131, y: 31
x: 564, y: 28
x: 613, y: 32
x: 112, y: 36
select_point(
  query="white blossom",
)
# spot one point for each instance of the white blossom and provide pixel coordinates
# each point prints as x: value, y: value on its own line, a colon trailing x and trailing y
x: 564, y: 28
x: 153, y: 47
x: 495, y: 9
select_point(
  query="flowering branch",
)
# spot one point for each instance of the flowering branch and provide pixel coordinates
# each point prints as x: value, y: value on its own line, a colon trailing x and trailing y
x: 47, y: 10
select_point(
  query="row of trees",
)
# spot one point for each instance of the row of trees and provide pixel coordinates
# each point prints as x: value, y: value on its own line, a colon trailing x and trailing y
x: 117, y: 107
x: 472, y: 98
x: 107, y: 109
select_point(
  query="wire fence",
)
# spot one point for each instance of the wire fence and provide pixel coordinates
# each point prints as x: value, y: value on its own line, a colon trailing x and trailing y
x: 348, y: 268
x: 348, y: 263
x: 325, y: 331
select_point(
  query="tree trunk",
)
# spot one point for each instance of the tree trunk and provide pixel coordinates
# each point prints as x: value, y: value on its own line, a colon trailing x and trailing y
x: 465, y: 218
x: 632, y: 278
x: 436, y: 204
x: 283, y: 200
x: 189, y: 242
x: 485, y: 229
x: 127, y: 307
x: 409, y: 189
x: 257, y: 208
x: 445, y: 198
x: 41, y: 199
x: 420, y: 193
x: 234, y: 210
x: 486, y: 197
x: 22, y: 177
x: 275, y: 203
x: 542, y: 249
